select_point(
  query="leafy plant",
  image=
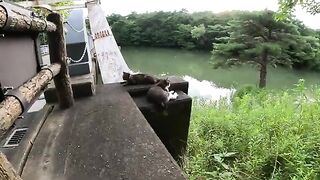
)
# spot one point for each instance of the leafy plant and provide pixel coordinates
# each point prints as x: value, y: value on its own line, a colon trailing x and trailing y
x: 267, y: 135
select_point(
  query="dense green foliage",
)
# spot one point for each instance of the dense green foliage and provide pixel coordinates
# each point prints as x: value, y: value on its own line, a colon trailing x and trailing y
x: 177, y: 29
x: 264, y: 135
x: 180, y: 29
x: 236, y: 37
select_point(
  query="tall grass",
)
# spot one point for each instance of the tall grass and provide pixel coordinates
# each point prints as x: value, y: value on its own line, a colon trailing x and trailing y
x: 262, y: 135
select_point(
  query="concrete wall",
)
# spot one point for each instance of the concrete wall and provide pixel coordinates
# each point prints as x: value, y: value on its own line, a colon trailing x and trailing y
x: 172, y: 126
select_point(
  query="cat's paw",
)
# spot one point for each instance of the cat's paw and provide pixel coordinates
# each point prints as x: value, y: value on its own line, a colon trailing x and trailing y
x: 173, y: 95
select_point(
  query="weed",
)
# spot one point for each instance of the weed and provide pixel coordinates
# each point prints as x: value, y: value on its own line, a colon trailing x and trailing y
x: 263, y: 135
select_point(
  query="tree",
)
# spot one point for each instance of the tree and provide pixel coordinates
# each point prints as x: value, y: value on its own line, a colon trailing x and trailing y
x: 287, y: 6
x: 183, y: 36
x: 305, y: 49
x: 257, y: 38
x: 198, y: 31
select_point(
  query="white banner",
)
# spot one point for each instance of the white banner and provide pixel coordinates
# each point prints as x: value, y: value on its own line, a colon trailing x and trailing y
x: 111, y: 62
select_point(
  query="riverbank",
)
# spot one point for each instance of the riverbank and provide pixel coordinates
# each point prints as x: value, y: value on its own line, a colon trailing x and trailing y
x: 270, y: 134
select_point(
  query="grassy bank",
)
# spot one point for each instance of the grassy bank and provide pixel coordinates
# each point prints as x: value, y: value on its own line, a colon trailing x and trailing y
x: 264, y: 135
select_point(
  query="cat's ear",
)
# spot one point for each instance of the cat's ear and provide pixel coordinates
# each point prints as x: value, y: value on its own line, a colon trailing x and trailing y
x: 125, y: 76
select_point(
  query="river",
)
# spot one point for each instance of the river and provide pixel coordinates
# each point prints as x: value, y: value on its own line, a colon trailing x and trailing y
x: 196, y: 67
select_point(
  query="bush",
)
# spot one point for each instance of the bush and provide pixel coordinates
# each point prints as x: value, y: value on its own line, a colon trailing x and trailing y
x: 246, y: 89
x: 268, y: 135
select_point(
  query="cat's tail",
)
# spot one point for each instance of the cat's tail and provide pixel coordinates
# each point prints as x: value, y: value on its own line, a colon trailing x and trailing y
x: 165, y: 108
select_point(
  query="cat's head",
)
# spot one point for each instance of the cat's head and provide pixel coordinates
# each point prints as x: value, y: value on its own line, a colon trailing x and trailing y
x: 125, y: 76
x: 164, y: 83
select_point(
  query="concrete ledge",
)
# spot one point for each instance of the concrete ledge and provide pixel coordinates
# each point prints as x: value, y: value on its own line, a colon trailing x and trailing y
x: 172, y: 128
x: 176, y: 84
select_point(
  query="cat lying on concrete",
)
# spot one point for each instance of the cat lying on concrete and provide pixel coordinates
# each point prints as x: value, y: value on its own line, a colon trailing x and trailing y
x: 136, y: 79
x: 160, y: 94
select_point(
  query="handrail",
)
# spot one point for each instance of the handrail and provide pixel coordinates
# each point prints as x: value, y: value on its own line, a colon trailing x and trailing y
x: 20, y: 99
x: 16, y: 19
x: 12, y: 20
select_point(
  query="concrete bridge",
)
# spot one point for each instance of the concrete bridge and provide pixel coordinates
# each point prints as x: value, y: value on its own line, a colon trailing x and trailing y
x: 109, y: 131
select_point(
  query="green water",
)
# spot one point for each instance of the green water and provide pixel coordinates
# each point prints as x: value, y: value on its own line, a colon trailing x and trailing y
x: 197, y: 65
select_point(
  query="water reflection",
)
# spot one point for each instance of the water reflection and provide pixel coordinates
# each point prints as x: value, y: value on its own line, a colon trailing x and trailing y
x: 174, y: 62
x: 207, y: 90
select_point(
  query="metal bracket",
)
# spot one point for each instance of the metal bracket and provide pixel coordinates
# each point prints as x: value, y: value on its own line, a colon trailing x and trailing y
x: 6, y: 89
x: 46, y: 67
x: 17, y: 94
x: 1, y: 93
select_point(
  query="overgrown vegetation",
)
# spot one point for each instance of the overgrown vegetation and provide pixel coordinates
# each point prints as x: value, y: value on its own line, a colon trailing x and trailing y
x: 263, y: 135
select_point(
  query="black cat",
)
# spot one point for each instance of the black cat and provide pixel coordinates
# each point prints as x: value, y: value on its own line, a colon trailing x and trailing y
x: 135, y: 79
